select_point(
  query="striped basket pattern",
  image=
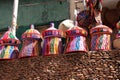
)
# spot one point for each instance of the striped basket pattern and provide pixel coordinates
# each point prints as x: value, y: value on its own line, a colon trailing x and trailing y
x: 100, y: 38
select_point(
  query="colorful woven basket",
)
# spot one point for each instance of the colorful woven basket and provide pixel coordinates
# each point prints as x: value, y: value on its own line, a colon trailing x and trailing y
x: 100, y: 38
x: 52, y: 43
x: 84, y: 18
x: 31, y: 33
x: 76, y: 40
x: 9, y: 46
x: 31, y: 43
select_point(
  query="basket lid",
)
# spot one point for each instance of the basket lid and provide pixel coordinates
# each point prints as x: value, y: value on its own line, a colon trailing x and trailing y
x: 76, y: 30
x: 31, y: 33
x: 9, y: 39
x: 100, y: 28
x: 52, y: 32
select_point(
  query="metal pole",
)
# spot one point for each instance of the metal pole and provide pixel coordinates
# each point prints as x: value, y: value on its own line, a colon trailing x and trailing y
x: 14, y: 17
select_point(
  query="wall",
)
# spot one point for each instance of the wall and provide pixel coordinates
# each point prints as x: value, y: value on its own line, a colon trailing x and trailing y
x: 33, y: 12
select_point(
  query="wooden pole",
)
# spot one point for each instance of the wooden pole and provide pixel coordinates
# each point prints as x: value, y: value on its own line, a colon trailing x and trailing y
x: 14, y: 17
x: 72, y: 9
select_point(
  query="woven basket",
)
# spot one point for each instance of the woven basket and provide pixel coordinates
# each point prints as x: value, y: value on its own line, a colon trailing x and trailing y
x: 100, y: 38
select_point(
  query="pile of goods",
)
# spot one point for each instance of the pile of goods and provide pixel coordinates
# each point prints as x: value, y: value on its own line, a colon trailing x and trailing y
x: 73, y: 32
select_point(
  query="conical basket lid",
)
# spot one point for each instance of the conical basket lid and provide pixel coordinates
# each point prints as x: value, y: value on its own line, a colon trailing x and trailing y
x: 9, y: 39
x: 76, y: 30
x: 101, y: 28
x: 52, y: 31
x: 31, y: 33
